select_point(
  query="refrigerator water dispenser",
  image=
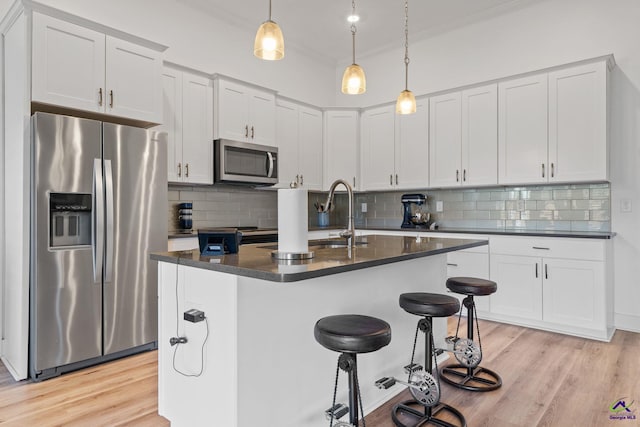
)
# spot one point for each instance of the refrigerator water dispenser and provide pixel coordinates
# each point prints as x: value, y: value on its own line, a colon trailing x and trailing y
x: 69, y: 220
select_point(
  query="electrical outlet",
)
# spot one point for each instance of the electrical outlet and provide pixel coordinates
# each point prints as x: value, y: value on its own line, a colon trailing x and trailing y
x: 363, y: 208
x: 439, y: 206
x: 625, y: 206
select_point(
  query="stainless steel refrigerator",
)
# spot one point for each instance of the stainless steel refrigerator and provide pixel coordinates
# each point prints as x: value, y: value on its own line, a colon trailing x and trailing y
x: 99, y: 207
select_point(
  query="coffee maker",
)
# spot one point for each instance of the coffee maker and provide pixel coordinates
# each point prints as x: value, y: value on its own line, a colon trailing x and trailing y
x: 413, y: 216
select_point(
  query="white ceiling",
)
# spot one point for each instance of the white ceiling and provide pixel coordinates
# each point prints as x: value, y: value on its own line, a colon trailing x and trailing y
x: 320, y: 26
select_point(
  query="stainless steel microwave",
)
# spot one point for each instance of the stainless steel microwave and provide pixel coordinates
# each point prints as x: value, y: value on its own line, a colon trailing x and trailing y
x: 239, y: 162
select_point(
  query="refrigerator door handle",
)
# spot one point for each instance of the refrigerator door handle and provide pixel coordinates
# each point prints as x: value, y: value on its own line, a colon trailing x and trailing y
x: 97, y: 225
x: 108, y: 264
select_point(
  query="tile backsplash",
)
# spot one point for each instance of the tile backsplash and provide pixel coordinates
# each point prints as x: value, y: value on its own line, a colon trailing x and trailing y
x: 579, y: 207
x: 224, y: 206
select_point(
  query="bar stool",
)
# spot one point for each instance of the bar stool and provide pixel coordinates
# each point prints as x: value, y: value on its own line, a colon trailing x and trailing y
x: 425, y: 389
x: 465, y: 375
x: 350, y: 334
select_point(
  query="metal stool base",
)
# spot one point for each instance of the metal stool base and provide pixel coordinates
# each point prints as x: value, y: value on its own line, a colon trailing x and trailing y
x: 460, y: 376
x: 425, y: 416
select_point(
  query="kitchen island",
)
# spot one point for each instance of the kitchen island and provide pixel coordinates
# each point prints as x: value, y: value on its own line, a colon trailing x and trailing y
x: 260, y: 364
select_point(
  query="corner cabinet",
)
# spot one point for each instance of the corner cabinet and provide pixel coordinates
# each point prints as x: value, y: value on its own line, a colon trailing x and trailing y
x: 84, y: 69
x: 188, y: 121
x: 243, y: 112
x: 395, y: 148
x: 341, y: 147
x: 299, y: 136
x: 553, y: 126
x: 558, y: 284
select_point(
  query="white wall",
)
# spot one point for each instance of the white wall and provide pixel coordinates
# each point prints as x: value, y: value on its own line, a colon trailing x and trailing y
x: 199, y: 41
x: 544, y: 34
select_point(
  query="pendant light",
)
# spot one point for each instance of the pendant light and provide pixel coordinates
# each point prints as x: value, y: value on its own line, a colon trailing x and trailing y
x: 353, y: 80
x: 269, y: 42
x: 406, y: 103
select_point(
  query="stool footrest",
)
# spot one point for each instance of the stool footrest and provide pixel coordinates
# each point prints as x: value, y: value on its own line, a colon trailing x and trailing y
x: 338, y: 411
x: 385, y: 383
x: 412, y: 368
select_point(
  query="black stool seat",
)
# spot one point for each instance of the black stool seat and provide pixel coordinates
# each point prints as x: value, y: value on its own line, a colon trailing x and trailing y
x: 352, y: 333
x: 471, y: 286
x: 426, y: 304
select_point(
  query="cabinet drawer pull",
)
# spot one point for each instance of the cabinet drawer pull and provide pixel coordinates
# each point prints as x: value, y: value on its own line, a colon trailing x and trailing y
x: 297, y: 179
x: 543, y: 170
x: 553, y: 173
x: 536, y: 270
x: 100, y: 97
x: 301, y: 179
x: 179, y: 169
x: 186, y: 167
x: 252, y: 132
x: 396, y: 179
x: 452, y: 264
x: 390, y: 179
x: 464, y: 175
x: 110, y: 99
x: 354, y: 182
x: 246, y: 131
x: 541, y: 248
x: 546, y: 272
x: 457, y: 175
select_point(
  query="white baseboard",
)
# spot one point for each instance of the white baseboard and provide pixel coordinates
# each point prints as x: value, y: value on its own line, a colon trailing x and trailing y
x: 627, y: 322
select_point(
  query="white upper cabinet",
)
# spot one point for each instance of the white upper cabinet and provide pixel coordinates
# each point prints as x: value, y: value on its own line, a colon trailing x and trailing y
x: 341, y: 147
x: 244, y: 113
x: 299, y: 136
x: 522, y: 131
x: 412, y: 147
x: 188, y: 121
x: 578, y: 123
x: 445, y: 133
x: 480, y: 136
x: 378, y: 148
x: 553, y: 126
x: 395, y: 148
x: 464, y: 138
x: 79, y: 68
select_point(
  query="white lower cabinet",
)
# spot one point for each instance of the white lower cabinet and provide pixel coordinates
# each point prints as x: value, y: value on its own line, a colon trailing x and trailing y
x: 470, y: 263
x: 556, y: 284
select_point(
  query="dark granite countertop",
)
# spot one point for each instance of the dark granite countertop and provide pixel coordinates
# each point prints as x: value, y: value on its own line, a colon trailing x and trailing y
x: 256, y: 260
x: 489, y: 231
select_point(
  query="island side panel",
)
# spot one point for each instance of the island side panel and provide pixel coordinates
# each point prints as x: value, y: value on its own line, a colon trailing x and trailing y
x: 285, y: 377
x: 187, y: 401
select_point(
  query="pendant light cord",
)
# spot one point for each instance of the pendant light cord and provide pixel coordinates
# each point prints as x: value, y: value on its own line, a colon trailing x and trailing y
x: 269, y: 10
x: 406, y: 45
x: 353, y: 32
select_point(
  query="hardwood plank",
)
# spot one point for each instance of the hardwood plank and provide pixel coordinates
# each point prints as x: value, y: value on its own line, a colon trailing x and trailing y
x: 549, y: 380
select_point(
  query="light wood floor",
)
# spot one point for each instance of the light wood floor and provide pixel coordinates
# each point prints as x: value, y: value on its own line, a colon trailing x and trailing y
x: 549, y: 380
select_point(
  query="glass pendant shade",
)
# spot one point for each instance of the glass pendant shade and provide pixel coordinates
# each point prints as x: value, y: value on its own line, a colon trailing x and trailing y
x: 269, y: 42
x: 353, y: 80
x: 406, y: 103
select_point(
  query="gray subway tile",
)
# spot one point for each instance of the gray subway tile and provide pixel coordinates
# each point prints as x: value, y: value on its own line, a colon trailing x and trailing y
x: 495, y: 205
x: 599, y: 215
x: 600, y: 193
x: 565, y: 215
x: 571, y: 194
x: 505, y: 195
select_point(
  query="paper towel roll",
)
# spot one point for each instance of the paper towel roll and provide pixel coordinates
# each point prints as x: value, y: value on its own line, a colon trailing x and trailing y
x: 293, y: 220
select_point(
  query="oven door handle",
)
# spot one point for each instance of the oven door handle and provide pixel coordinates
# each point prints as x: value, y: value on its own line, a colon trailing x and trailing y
x: 269, y: 164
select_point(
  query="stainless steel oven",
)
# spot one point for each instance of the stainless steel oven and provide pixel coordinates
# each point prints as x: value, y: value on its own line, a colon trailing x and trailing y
x: 245, y: 163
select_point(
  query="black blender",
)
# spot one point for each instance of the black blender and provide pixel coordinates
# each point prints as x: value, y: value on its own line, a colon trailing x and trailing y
x: 414, y: 217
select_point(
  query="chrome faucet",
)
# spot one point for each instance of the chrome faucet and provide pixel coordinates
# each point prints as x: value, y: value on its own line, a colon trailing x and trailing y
x: 349, y: 234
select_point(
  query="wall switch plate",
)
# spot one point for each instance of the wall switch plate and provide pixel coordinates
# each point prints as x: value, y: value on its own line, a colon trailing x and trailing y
x: 363, y: 207
x: 439, y: 206
x: 625, y: 206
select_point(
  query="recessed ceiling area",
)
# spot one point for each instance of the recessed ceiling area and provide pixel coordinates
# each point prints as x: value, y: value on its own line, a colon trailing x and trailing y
x: 320, y: 27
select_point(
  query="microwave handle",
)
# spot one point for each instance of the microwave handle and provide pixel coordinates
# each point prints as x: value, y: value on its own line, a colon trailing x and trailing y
x: 270, y: 166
